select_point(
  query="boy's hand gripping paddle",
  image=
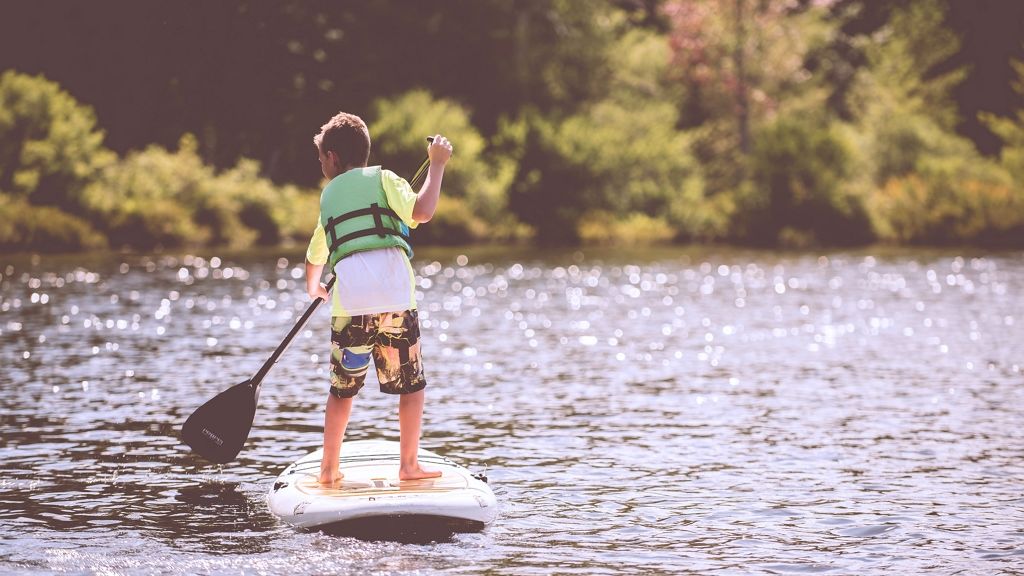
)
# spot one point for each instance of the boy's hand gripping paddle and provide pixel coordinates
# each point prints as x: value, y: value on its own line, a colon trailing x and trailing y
x: 218, y: 429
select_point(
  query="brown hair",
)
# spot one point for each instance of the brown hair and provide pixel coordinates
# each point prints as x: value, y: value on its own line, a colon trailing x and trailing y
x: 347, y: 136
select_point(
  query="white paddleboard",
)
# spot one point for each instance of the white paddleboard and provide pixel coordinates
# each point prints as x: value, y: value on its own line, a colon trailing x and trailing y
x: 371, y: 491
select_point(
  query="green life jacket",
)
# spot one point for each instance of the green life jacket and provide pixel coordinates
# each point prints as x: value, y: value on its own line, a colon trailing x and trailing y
x: 356, y: 217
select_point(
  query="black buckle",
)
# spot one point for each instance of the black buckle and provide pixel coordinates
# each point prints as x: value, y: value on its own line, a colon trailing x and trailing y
x: 378, y: 225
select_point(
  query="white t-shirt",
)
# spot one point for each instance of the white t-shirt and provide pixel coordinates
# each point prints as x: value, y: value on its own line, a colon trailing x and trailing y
x: 375, y: 281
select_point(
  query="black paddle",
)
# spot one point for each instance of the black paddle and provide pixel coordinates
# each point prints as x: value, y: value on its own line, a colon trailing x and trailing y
x: 218, y: 429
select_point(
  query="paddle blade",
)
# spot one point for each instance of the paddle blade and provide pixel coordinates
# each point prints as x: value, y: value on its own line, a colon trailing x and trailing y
x: 218, y: 429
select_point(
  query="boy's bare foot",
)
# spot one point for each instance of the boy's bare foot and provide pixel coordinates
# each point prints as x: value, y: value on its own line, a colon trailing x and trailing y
x: 330, y: 477
x: 416, y: 473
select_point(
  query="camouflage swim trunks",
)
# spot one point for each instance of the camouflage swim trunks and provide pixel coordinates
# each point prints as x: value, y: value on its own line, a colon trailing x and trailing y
x: 392, y: 338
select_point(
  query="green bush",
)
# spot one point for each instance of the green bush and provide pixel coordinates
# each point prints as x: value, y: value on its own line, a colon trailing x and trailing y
x: 147, y: 200
x: 927, y: 185
x: 922, y: 183
x: 959, y: 201
x: 1011, y: 131
x: 622, y: 155
x: 905, y: 142
x: 799, y: 172
x: 478, y: 180
x: 159, y: 223
x: 547, y: 189
x: 50, y: 148
x: 217, y: 216
x: 241, y: 208
x: 252, y: 210
x: 24, y: 227
x: 600, y: 227
x: 157, y: 198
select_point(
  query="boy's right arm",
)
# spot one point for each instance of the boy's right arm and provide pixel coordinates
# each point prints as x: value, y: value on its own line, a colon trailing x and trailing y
x: 314, y: 287
x: 316, y: 257
x: 439, y: 151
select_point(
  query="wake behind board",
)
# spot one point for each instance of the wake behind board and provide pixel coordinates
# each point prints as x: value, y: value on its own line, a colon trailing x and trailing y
x: 370, y: 496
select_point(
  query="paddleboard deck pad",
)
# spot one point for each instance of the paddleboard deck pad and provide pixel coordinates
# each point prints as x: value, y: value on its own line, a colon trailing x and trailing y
x: 370, y: 496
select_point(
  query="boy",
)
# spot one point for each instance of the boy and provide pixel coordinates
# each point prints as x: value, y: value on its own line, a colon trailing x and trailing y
x: 361, y: 235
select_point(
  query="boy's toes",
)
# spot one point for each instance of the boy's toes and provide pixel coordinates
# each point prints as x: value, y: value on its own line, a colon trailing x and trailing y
x: 330, y: 478
x: 418, y: 474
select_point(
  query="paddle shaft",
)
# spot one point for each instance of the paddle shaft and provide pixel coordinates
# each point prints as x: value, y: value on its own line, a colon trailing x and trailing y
x: 258, y: 378
x: 421, y: 172
x: 262, y: 373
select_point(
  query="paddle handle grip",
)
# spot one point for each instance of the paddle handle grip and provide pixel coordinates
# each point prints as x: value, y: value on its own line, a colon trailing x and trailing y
x: 258, y: 378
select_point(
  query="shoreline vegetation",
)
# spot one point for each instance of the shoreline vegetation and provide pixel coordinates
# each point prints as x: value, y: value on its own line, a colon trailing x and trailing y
x: 711, y: 126
x: 238, y: 262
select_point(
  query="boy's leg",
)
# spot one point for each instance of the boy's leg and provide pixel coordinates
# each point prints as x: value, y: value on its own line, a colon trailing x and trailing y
x: 400, y: 371
x: 350, y: 358
x: 410, y: 420
x: 335, y: 421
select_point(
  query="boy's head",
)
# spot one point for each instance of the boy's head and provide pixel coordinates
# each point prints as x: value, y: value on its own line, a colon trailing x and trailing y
x: 343, y: 143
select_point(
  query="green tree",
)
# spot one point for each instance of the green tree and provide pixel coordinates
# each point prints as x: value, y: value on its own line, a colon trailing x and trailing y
x: 741, y: 62
x: 50, y: 147
x: 905, y: 110
x: 744, y: 71
x: 922, y: 182
x: 951, y: 204
x: 473, y: 203
x: 24, y: 226
x: 616, y: 160
x: 1011, y: 131
x: 800, y: 167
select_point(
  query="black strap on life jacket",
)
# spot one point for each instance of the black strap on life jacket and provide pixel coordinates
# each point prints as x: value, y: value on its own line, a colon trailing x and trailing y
x: 378, y: 225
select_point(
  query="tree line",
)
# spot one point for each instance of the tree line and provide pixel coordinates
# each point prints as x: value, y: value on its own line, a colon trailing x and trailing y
x: 762, y: 122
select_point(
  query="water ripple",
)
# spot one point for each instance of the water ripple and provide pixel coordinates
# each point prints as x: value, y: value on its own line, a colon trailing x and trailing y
x: 673, y: 411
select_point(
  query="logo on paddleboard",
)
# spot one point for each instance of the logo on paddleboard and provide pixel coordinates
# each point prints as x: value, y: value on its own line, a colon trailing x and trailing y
x: 212, y: 436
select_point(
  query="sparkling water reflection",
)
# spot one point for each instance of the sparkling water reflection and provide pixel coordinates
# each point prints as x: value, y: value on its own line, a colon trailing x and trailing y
x: 666, y: 412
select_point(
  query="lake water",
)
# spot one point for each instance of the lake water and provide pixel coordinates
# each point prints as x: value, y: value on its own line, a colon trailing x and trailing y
x: 692, y: 410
